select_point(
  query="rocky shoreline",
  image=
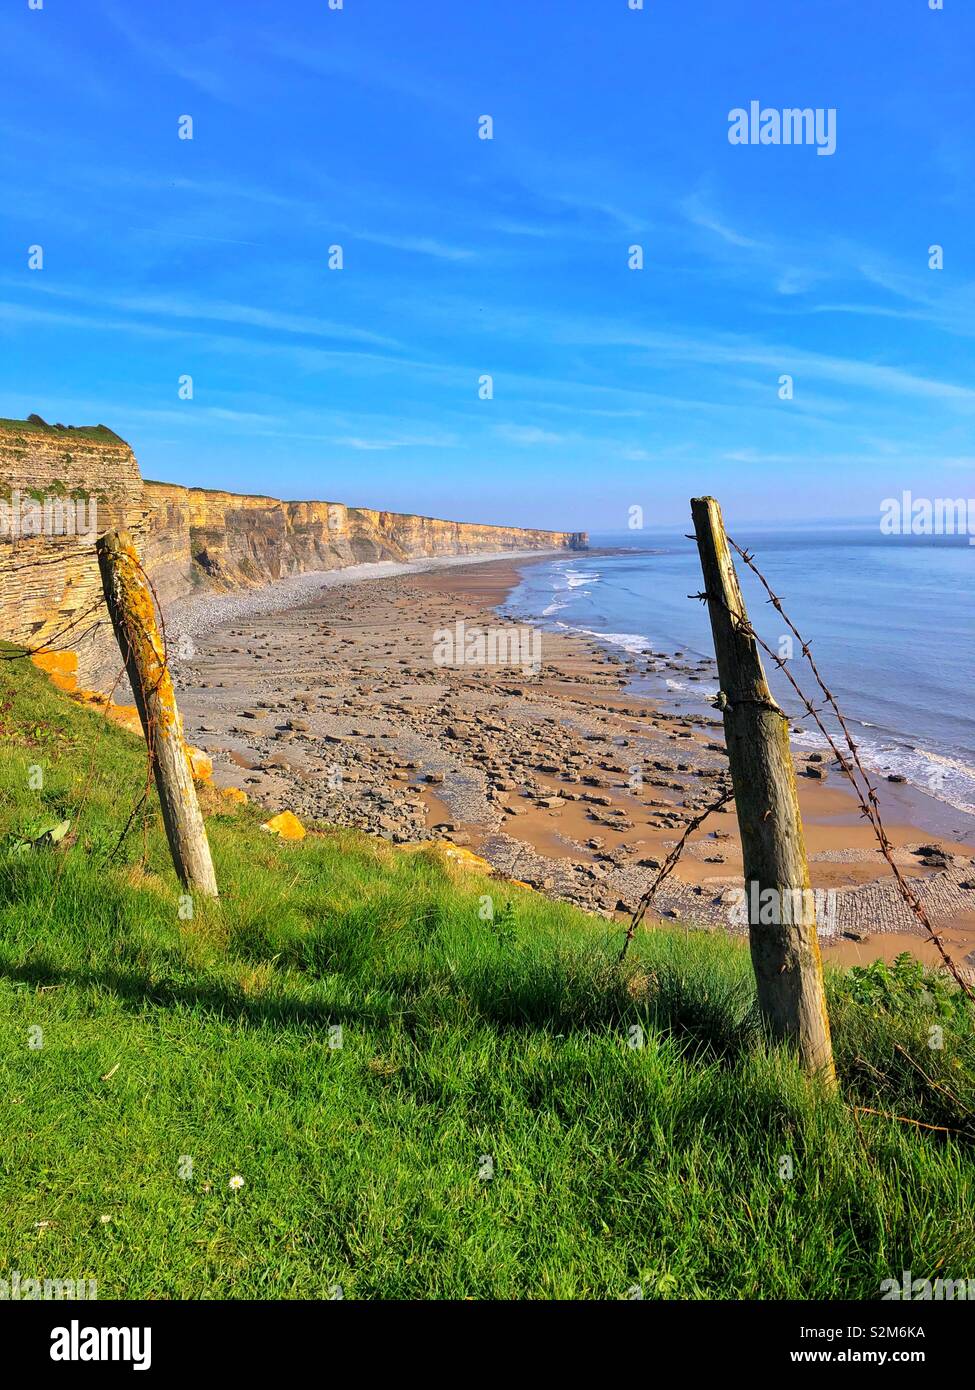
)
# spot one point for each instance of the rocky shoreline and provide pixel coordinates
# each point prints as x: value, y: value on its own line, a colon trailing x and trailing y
x: 336, y: 707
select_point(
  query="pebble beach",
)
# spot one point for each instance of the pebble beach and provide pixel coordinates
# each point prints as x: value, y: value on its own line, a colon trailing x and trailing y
x: 327, y: 695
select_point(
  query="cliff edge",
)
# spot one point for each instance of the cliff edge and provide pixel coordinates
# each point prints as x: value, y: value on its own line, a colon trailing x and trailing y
x: 61, y: 486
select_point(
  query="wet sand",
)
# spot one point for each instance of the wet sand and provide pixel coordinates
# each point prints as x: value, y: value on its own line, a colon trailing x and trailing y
x: 340, y: 709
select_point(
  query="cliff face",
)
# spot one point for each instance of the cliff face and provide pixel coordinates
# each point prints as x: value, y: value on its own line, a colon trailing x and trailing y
x: 237, y: 541
x: 56, y: 488
x: 59, y: 488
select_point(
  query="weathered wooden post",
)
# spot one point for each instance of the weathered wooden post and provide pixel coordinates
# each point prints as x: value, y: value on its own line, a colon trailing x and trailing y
x: 130, y: 605
x: 781, y: 906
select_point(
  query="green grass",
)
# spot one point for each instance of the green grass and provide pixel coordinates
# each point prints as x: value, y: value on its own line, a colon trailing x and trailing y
x: 165, y: 1040
x: 100, y: 432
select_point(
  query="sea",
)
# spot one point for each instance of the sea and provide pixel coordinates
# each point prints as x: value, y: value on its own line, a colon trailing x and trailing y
x: 890, y: 621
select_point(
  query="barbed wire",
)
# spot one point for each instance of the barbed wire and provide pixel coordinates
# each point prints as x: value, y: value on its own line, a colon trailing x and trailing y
x: 669, y: 864
x: 48, y: 645
x: 866, y: 793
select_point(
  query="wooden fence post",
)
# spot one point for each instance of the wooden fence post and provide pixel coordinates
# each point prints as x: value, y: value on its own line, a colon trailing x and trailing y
x: 782, y: 923
x: 130, y: 605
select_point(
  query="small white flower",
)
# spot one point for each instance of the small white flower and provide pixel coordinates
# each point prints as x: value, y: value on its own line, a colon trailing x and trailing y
x: 105, y: 1218
x: 236, y: 1183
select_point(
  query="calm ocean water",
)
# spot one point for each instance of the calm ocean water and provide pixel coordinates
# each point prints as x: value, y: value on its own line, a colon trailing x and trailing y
x: 891, y: 622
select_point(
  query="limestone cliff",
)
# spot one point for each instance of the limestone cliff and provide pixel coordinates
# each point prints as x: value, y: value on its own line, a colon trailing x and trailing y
x: 54, y: 480
x: 238, y: 541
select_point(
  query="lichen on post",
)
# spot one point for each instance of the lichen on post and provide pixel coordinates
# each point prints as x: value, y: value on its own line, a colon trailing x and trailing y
x: 132, y: 611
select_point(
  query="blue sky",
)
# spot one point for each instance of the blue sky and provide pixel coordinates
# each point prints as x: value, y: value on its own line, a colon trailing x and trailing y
x: 612, y: 387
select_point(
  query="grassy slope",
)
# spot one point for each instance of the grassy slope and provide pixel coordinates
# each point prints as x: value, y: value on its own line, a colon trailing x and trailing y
x: 614, y: 1166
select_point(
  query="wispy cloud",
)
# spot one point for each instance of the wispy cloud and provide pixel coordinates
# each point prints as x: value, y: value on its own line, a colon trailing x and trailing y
x: 404, y: 442
x: 507, y: 227
x: 731, y: 351
x: 373, y: 68
x: 602, y: 208
x: 696, y: 210
x: 528, y: 434
x: 878, y: 311
x: 218, y: 311
x: 796, y: 280
x: 421, y: 245
x: 218, y: 78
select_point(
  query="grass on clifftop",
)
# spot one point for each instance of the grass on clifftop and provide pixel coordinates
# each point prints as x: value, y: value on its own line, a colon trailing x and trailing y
x: 58, y: 431
x: 146, y: 1060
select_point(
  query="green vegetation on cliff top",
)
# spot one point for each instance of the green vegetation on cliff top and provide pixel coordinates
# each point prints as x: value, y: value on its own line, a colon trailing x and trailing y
x: 35, y: 425
x: 485, y: 1129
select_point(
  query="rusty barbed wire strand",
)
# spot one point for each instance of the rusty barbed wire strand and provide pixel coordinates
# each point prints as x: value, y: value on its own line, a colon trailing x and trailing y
x: 669, y: 864
x: 49, y: 644
x: 866, y: 794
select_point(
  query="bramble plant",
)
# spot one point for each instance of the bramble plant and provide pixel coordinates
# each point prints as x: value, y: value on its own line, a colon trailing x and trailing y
x: 904, y: 986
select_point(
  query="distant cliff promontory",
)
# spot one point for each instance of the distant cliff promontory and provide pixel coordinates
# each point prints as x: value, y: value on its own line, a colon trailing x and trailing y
x: 60, y: 486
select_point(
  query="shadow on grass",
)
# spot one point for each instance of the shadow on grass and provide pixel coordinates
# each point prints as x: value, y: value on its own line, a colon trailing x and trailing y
x: 213, y: 999
x: 561, y: 998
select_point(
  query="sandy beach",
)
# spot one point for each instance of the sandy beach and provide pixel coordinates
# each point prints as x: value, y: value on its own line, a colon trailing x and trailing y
x: 334, y: 699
